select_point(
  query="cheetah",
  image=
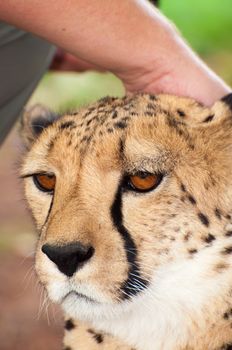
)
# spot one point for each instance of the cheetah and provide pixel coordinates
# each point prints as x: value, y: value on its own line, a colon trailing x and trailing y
x: 132, y: 201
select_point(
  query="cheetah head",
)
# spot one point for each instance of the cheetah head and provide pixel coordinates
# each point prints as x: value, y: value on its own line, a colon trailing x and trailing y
x: 128, y: 195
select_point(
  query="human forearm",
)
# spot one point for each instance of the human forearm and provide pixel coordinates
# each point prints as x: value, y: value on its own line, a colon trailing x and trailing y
x: 128, y: 37
x: 112, y: 34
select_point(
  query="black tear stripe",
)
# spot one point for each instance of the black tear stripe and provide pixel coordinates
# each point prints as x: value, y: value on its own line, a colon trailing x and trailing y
x: 134, y: 283
x: 48, y: 214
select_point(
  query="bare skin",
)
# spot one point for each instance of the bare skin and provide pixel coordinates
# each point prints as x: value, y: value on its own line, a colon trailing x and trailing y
x: 130, y: 38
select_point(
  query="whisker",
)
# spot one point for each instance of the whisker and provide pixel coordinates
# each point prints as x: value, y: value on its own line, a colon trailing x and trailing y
x: 42, y: 304
x: 29, y: 272
x: 144, y: 274
x: 47, y: 309
x: 128, y: 295
x: 29, y: 255
x: 131, y: 297
x: 138, y: 283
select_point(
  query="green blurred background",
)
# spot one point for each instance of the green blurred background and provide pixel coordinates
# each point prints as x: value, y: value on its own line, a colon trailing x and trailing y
x: 207, y: 26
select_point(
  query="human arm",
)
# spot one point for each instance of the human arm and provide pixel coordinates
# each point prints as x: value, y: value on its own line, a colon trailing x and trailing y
x: 128, y: 37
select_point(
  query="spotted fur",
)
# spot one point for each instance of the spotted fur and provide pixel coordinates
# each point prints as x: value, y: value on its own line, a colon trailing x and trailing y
x: 160, y: 276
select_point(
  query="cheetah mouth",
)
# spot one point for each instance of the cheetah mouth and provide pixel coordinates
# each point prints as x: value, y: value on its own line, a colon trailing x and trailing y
x: 79, y: 296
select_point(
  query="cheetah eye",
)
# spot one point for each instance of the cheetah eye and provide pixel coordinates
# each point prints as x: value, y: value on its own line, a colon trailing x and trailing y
x: 45, y: 182
x: 143, y: 181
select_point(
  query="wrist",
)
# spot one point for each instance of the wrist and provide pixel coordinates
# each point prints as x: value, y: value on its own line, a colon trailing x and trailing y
x: 151, y: 63
x: 173, y: 68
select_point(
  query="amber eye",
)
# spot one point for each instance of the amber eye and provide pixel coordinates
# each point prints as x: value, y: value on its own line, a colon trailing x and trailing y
x: 144, y: 182
x: 45, y: 182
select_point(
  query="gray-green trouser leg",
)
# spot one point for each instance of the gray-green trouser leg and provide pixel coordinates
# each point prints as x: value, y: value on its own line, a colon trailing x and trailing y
x: 23, y: 60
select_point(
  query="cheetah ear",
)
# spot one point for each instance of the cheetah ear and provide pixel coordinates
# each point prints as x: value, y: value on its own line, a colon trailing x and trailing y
x: 222, y: 108
x: 33, y: 121
x: 227, y: 100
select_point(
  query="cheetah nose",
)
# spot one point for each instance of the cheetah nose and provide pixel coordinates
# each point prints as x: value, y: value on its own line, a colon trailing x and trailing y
x: 70, y: 257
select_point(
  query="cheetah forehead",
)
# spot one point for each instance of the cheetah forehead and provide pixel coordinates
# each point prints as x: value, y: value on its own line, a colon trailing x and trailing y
x: 172, y: 124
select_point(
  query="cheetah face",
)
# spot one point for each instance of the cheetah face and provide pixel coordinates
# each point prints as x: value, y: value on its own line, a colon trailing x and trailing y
x: 122, y: 191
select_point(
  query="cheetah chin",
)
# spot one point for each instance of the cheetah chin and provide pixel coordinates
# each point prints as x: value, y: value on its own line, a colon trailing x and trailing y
x: 132, y: 201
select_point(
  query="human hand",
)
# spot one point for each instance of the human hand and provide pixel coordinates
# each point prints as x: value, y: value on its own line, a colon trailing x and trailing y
x: 174, y: 68
x: 170, y: 66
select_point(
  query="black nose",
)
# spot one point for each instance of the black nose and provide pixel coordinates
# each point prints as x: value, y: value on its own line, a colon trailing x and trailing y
x: 70, y: 257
